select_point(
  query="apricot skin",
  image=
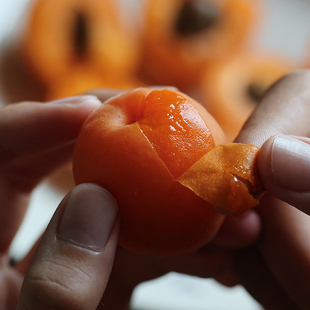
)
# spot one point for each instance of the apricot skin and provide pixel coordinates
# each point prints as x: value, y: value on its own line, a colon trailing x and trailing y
x: 158, y: 215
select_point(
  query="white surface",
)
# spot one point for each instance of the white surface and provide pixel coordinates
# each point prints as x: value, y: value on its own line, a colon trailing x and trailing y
x: 285, y: 31
x: 43, y: 203
x: 182, y: 292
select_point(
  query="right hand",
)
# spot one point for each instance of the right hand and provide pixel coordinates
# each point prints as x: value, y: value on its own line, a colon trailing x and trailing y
x: 276, y: 271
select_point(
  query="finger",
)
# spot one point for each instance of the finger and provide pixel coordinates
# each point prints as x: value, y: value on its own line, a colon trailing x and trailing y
x: 24, y: 174
x: 284, y: 166
x: 285, y: 109
x: 259, y: 281
x: 18, y: 181
x: 239, y: 231
x: 104, y: 94
x: 210, y: 261
x: 35, y: 139
x: 72, y: 264
x: 131, y: 268
x: 228, y: 278
x: 30, y: 127
x: 284, y: 247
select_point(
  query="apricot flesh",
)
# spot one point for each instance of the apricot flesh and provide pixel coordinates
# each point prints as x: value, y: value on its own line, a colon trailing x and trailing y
x: 234, y: 86
x: 139, y: 146
x: 74, y: 46
x: 182, y: 37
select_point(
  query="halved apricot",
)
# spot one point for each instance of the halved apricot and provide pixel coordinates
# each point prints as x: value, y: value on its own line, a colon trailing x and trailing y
x: 81, y: 80
x: 143, y: 147
x: 183, y: 36
x: 62, y: 36
x: 233, y: 87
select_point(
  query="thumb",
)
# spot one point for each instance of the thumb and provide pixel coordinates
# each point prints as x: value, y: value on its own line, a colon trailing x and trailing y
x: 284, y: 167
x: 73, y: 262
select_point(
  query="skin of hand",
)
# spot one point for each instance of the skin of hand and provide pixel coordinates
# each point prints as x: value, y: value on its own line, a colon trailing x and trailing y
x: 70, y: 267
x: 276, y: 270
x: 35, y: 139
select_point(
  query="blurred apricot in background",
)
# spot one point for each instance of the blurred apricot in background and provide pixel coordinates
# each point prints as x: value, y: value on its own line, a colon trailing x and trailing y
x: 233, y: 87
x: 206, y: 48
x: 182, y: 37
x: 76, y: 46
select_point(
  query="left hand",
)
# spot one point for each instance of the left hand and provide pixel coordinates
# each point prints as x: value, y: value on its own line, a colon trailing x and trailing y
x: 35, y: 139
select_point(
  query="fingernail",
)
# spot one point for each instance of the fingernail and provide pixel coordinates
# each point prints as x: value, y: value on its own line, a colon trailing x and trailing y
x: 290, y: 163
x: 88, y: 218
x: 88, y: 100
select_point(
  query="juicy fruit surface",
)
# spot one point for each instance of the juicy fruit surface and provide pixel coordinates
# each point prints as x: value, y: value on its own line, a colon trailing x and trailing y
x: 175, y: 130
x: 141, y: 146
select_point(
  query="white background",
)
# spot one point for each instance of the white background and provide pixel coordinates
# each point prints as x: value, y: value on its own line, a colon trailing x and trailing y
x: 285, y: 31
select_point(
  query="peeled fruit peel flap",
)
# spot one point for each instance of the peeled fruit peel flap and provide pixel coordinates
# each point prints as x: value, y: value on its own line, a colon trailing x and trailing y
x: 175, y: 129
x: 218, y: 174
x: 223, y: 177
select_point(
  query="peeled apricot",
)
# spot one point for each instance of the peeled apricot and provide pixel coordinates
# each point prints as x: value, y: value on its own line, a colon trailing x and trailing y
x: 183, y: 36
x: 153, y: 150
x: 234, y: 86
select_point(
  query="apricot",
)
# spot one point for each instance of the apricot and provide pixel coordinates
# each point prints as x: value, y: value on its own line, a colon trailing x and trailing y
x: 65, y: 36
x: 233, y: 87
x: 80, y: 81
x: 183, y: 36
x: 152, y: 149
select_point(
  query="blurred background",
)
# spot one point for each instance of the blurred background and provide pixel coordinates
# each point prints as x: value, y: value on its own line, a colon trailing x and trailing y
x: 237, y: 49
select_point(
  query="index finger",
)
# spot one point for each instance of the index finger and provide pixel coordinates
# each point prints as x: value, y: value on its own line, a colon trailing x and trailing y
x: 104, y: 94
x: 283, y: 166
x: 285, y: 109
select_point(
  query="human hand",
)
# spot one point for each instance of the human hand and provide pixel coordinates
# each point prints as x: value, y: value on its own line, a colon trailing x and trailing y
x: 214, y: 260
x: 277, y: 270
x: 36, y: 139
x: 72, y: 263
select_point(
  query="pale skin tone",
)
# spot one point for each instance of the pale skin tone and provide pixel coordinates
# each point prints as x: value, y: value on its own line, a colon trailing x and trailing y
x: 278, y: 274
x: 73, y: 273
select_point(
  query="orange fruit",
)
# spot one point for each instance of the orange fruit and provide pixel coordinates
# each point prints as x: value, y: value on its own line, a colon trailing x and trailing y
x: 233, y: 87
x: 181, y: 37
x: 81, y: 80
x: 144, y: 146
x: 64, y: 39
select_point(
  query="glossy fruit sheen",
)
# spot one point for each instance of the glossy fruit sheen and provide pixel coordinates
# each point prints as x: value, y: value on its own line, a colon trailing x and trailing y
x: 139, y: 146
